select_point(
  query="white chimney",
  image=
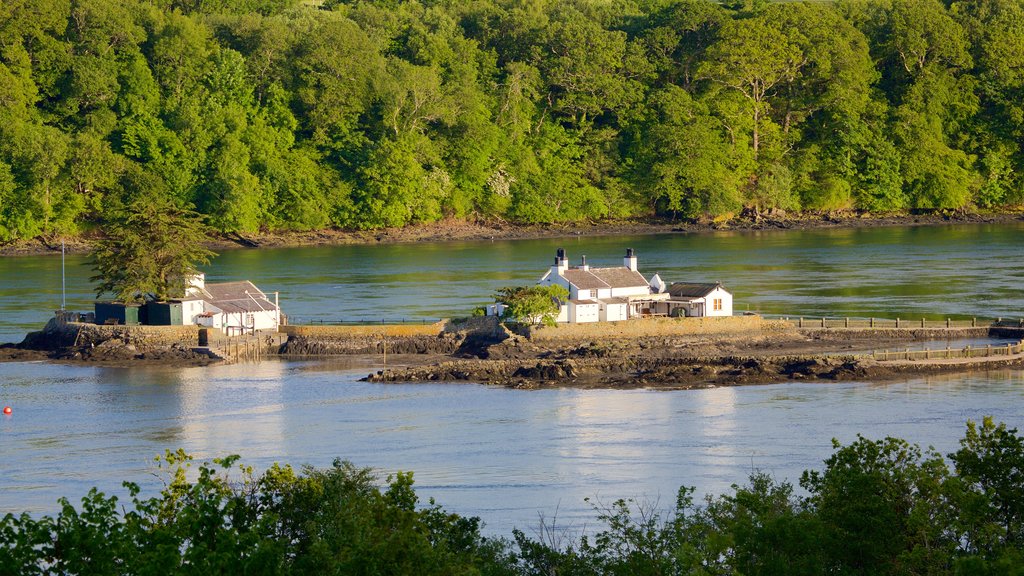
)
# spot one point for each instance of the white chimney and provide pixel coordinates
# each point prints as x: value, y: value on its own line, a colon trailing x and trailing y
x: 560, y: 265
x: 196, y: 283
x: 583, y: 264
x: 630, y: 260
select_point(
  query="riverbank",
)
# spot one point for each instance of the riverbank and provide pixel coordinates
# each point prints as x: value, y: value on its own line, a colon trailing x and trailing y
x: 450, y: 230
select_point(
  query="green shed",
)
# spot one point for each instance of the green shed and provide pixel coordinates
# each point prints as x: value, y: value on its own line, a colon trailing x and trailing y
x: 122, y: 313
x: 163, y: 314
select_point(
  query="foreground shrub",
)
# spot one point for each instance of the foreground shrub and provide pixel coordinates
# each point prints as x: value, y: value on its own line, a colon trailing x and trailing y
x: 877, y: 507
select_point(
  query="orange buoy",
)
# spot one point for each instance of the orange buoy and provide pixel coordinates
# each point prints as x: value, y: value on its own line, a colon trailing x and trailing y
x: 7, y: 410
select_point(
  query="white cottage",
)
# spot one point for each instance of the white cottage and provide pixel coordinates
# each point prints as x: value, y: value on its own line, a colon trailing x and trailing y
x: 695, y: 299
x: 605, y: 294
x: 232, y: 307
x: 621, y: 293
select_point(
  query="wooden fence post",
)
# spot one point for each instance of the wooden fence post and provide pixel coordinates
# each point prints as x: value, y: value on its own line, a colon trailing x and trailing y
x: 822, y: 321
x: 922, y: 322
x: 897, y: 323
x: 974, y: 322
x: 800, y: 322
x: 847, y: 322
x: 871, y: 322
x: 947, y: 322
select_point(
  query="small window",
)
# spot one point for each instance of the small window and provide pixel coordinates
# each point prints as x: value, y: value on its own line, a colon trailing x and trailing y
x: 717, y: 304
x: 593, y: 293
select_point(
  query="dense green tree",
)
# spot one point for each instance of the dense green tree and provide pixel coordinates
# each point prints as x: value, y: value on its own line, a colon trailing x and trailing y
x: 532, y: 304
x: 150, y: 250
x: 273, y: 114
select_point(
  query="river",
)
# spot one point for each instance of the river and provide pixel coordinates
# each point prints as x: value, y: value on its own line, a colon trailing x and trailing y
x: 509, y: 455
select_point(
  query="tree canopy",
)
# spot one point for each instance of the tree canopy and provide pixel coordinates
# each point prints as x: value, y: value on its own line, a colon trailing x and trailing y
x: 284, y: 114
x: 532, y: 304
x: 151, y: 250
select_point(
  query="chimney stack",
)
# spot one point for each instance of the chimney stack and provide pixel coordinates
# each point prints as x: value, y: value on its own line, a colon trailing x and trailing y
x: 583, y: 264
x: 561, y: 264
x: 630, y: 260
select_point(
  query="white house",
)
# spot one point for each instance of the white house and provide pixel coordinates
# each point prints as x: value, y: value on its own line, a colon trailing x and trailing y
x: 232, y: 307
x: 694, y: 299
x: 621, y: 293
x: 606, y: 294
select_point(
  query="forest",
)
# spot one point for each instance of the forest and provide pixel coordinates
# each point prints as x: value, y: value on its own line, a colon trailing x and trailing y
x: 266, y: 115
x: 877, y: 507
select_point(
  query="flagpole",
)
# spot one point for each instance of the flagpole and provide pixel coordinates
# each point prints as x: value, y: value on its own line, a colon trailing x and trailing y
x: 63, y: 285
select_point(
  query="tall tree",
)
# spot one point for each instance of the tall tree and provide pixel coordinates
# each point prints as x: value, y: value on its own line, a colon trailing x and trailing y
x: 150, y: 250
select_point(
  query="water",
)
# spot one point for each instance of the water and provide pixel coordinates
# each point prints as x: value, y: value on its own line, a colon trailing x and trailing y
x: 934, y: 272
x: 507, y: 455
x: 504, y: 455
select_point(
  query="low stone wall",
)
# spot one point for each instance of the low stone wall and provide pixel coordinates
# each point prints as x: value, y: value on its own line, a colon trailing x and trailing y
x: 370, y: 339
x: 368, y: 330
x: 142, y: 337
x: 656, y: 327
x: 905, y: 333
x: 58, y: 335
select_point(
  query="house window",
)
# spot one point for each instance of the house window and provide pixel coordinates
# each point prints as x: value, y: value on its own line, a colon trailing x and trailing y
x: 717, y: 304
x: 593, y: 293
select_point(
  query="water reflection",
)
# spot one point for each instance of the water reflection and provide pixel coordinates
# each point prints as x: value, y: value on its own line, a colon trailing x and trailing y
x: 502, y: 454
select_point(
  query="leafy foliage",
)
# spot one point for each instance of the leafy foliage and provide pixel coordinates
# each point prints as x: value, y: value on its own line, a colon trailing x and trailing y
x: 878, y: 507
x: 532, y: 304
x: 280, y: 114
x: 151, y: 249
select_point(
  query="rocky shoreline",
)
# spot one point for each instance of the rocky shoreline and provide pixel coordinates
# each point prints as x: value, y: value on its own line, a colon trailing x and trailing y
x: 111, y: 347
x: 683, y: 362
x: 666, y: 354
x: 450, y: 230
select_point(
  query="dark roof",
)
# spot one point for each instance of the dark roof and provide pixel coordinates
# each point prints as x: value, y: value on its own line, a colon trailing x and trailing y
x: 692, y: 290
x: 583, y: 280
x: 241, y: 296
x: 596, y: 278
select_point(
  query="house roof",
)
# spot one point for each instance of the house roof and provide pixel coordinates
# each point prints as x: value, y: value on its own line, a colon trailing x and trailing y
x: 692, y: 289
x: 616, y: 300
x: 596, y: 278
x: 241, y: 296
x: 583, y: 302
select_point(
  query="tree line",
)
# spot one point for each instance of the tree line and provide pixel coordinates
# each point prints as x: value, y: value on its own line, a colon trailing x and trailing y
x: 878, y: 507
x: 299, y: 114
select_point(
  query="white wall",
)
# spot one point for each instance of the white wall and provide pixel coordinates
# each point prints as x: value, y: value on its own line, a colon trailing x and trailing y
x: 630, y: 291
x: 613, y: 312
x: 190, y: 310
x: 580, y: 313
x: 563, y: 313
x: 709, y: 307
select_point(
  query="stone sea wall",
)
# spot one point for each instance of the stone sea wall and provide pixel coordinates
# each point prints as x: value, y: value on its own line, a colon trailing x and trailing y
x: 655, y: 327
x: 365, y: 331
x: 370, y: 339
x: 56, y: 335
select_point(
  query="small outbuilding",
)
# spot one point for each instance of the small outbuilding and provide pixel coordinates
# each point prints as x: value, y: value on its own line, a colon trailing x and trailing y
x: 699, y: 299
x: 120, y: 313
